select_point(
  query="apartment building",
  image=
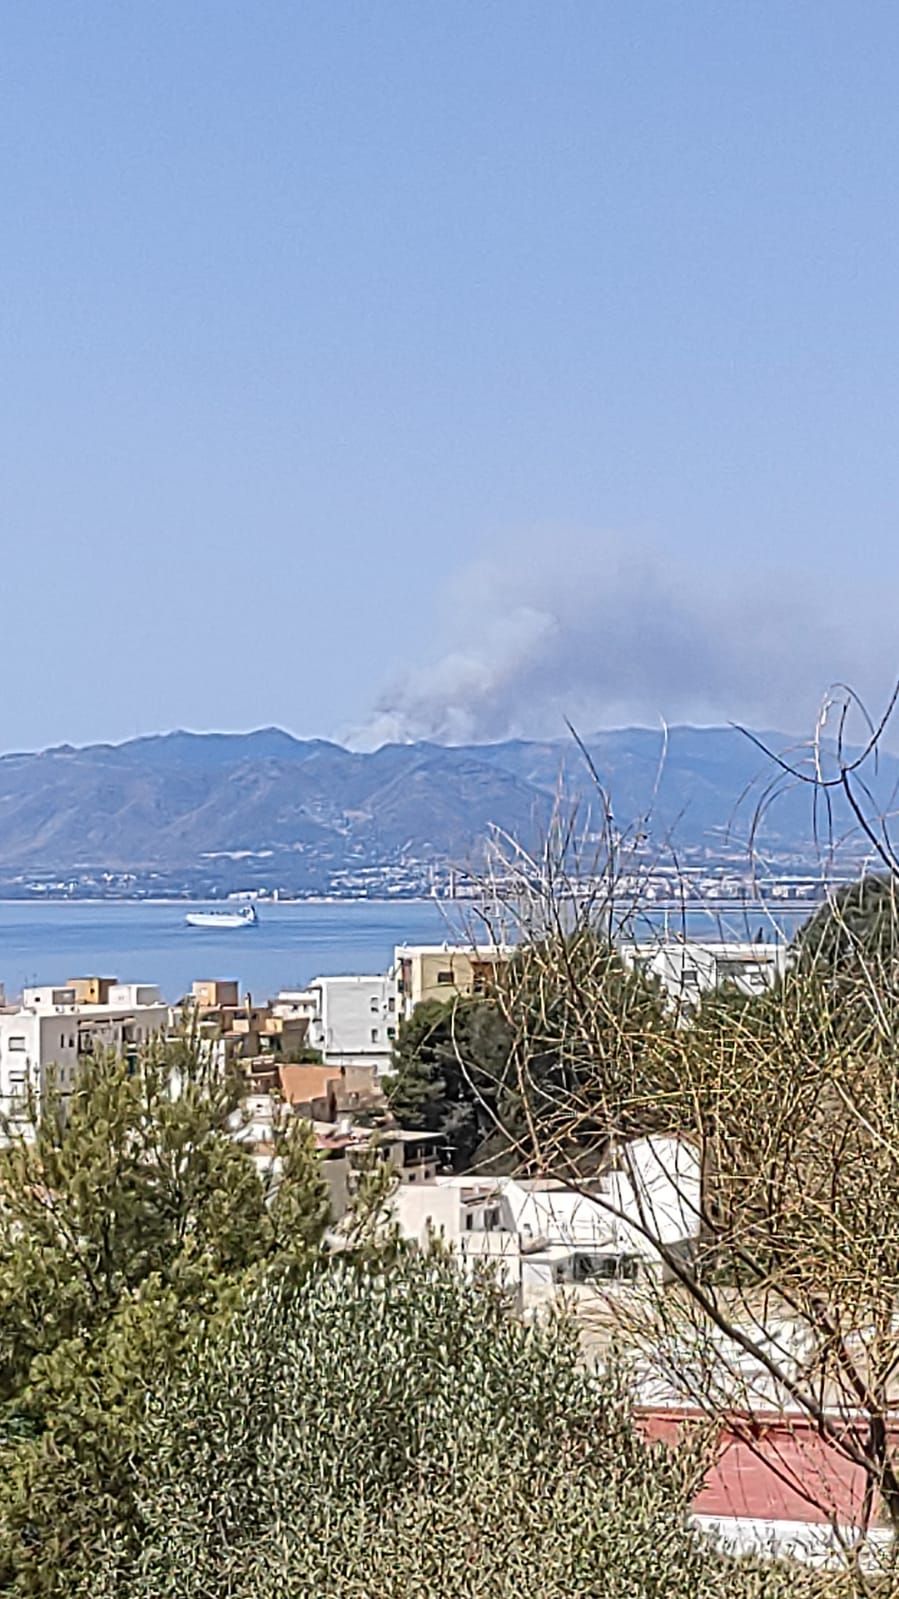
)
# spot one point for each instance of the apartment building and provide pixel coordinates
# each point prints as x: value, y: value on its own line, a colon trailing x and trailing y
x: 328, y: 1093
x: 54, y: 1027
x: 424, y: 972
x: 329, y: 1098
x: 687, y: 969
x: 545, y: 1239
x: 237, y: 1030
x: 352, y: 1021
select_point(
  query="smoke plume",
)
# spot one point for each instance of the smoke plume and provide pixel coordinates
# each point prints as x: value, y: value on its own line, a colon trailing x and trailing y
x: 609, y: 636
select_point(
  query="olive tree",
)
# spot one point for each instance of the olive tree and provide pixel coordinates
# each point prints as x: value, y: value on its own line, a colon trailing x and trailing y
x: 373, y: 1431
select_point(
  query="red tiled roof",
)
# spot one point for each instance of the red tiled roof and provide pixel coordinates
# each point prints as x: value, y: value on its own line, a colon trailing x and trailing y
x: 773, y: 1467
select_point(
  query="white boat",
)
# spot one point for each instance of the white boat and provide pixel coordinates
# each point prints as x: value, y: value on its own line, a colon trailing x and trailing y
x: 222, y: 919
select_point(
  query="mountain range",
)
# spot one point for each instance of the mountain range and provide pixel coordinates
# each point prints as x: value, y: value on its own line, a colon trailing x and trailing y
x: 265, y: 804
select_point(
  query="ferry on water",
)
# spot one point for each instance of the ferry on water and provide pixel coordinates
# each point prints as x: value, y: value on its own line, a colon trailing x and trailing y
x: 246, y: 917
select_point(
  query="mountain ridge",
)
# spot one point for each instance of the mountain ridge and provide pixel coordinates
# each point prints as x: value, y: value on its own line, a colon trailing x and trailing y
x: 168, y: 802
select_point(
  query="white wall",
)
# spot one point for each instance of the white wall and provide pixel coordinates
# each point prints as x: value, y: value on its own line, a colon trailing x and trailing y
x: 659, y: 1185
x: 687, y: 969
x: 30, y: 1044
x: 42, y: 1035
x: 656, y: 1187
x: 303, y: 1003
x: 125, y: 996
x: 356, y: 1018
x: 431, y: 1206
x: 50, y: 996
x: 20, y: 1055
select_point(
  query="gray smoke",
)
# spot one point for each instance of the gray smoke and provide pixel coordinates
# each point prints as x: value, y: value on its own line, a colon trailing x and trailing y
x: 605, y: 637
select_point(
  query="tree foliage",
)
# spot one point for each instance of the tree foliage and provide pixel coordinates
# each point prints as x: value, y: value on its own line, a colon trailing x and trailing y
x: 850, y: 946
x: 450, y: 1072
x: 194, y: 1401
x: 588, y: 1034
x: 373, y: 1432
x: 858, y: 927
x: 565, y: 1027
x: 131, y: 1220
x: 788, y: 1294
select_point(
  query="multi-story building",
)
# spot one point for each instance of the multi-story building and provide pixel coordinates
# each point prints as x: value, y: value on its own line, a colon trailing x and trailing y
x: 330, y: 1093
x: 352, y: 1021
x: 209, y: 994
x: 441, y: 971
x: 53, y: 1028
x: 545, y: 1239
x: 329, y: 1099
x: 687, y: 970
x: 237, y: 1030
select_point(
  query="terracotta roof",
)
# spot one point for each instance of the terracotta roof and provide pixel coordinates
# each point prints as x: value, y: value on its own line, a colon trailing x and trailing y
x: 300, y: 1084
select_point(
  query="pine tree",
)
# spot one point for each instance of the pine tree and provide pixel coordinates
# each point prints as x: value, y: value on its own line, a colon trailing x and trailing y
x: 129, y: 1225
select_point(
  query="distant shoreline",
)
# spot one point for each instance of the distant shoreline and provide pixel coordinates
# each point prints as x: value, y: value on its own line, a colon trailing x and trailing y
x: 773, y: 908
x: 324, y: 899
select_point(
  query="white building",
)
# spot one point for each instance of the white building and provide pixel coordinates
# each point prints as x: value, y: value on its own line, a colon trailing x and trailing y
x: 547, y: 1239
x: 687, y: 969
x: 49, y: 1031
x: 352, y: 1020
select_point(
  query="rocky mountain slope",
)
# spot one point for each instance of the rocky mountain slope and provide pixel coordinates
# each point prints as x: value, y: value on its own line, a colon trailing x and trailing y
x: 169, y: 802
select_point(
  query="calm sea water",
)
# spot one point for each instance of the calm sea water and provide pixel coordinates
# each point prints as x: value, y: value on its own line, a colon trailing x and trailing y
x: 291, y: 944
x: 151, y: 944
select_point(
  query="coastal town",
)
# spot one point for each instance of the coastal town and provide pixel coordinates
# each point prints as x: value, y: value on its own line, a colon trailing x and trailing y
x: 350, y: 1023
x: 325, y: 1053
x: 702, y: 878
x: 449, y: 841
x: 604, y: 1247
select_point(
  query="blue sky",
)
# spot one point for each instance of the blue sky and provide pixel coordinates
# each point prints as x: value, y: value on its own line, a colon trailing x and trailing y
x: 445, y: 368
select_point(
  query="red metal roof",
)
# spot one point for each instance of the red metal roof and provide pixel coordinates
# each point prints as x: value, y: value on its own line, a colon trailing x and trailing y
x: 770, y: 1468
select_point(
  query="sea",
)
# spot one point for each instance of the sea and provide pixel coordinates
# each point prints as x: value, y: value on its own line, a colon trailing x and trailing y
x: 145, y: 942
x: 149, y: 942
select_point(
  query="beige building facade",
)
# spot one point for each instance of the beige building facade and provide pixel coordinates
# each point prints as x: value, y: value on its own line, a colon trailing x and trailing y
x: 440, y: 972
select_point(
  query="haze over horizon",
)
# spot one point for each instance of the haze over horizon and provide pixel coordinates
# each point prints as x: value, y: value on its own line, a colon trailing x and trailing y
x: 444, y: 373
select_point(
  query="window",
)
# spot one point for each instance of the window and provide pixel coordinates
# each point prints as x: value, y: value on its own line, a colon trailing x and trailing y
x: 391, y: 1032
x: 469, y: 1222
x: 730, y: 971
x: 16, y: 1042
x: 444, y: 977
x: 608, y: 1268
x: 391, y: 1004
x: 374, y: 1006
x: 374, y: 1035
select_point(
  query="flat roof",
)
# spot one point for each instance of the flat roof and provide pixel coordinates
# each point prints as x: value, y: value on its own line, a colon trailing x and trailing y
x: 454, y: 949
